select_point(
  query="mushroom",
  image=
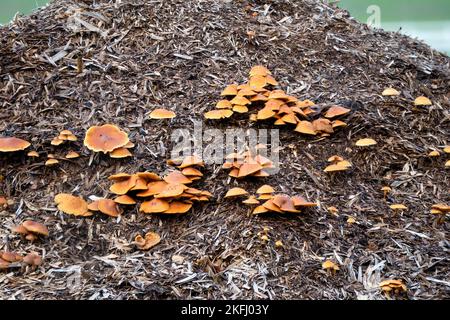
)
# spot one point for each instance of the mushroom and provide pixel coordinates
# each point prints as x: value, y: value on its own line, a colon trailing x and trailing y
x: 251, y: 201
x: 162, y: 114
x: 109, y: 207
x: 56, y: 142
x: 105, y: 138
x: 230, y: 90
x: 351, y: 220
x: 236, y: 192
x: 336, y: 111
x: 12, y: 144
x: 385, y: 190
x: 259, y: 209
x: 72, y: 155
x: 441, y: 211
x: 150, y: 240
x: 124, y: 199
x: 398, y: 207
x: 171, y: 190
x: 434, y: 154
x: 51, y: 162
x: 191, y: 161
x: 279, y: 244
x: 330, y: 267
x: 218, y: 114
x: 224, y: 104
x: 334, y: 211
x: 10, y: 257
x: 306, y: 127
x: 366, y: 142
x: 35, y: 228
x: 154, y: 206
x: 176, y: 177
x: 422, y: 101
x: 120, y: 153
x: 259, y: 70
x: 32, y: 259
x: 176, y: 207
x: 73, y: 205
x: 33, y: 154
x: 390, y: 92
x: 394, y: 286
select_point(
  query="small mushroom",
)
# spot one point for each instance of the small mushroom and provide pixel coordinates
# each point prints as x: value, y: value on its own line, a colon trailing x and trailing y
x: 334, y: 211
x: 398, y: 207
x: 32, y: 259
x: 33, y: 154
x: 422, y: 101
x: 150, y: 240
x: 392, y: 286
x: 386, y: 190
x: 388, y: 92
x: 51, y: 162
x: 366, y: 142
x: 236, y: 192
x: 330, y: 267
x: 36, y: 228
x: 162, y: 114
x: 434, y: 154
x: 72, y: 155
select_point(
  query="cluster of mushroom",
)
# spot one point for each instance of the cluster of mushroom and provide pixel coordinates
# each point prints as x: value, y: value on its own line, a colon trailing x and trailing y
x: 108, y: 139
x: 393, y: 286
x: 10, y: 259
x: 337, y: 163
x: 258, y: 94
x: 31, y: 230
x: 238, y: 98
x: 246, y: 164
x: 65, y: 135
x: 289, y: 110
x: 170, y: 195
x: 441, y: 210
x: 280, y: 203
x: 12, y: 144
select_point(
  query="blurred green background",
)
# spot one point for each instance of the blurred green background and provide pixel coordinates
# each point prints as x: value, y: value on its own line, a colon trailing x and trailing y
x: 428, y: 20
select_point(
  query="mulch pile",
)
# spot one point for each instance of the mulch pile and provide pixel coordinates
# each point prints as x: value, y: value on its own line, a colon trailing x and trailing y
x: 127, y: 58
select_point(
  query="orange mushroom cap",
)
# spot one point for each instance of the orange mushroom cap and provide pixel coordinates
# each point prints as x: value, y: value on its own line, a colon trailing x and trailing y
x: 235, y: 192
x: 259, y: 70
x: 105, y: 138
x: 162, y: 114
x: 11, y: 144
x: 70, y: 204
x: 150, y: 240
x: 178, y: 207
x: 124, y: 199
x: 120, y: 153
x: 306, y: 127
x: 72, y: 155
x: 109, y: 207
x: 265, y: 189
x: 154, y: 206
x: 336, y: 111
x: 177, y: 177
x: 35, y: 227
